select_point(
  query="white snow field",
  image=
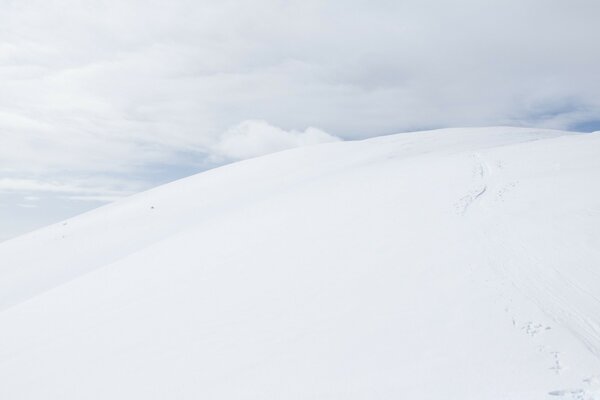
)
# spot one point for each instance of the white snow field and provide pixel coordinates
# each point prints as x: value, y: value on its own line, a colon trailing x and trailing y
x: 448, y: 264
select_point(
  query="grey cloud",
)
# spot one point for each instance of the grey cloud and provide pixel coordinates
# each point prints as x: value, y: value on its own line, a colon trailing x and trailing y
x: 115, y: 80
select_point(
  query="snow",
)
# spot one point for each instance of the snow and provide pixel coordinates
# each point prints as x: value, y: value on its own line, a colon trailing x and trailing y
x: 448, y: 264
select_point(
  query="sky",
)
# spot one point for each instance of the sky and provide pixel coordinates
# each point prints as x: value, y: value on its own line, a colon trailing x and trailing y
x: 102, y: 99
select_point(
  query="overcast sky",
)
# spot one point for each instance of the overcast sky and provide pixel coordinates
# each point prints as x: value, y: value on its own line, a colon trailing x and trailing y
x: 99, y: 99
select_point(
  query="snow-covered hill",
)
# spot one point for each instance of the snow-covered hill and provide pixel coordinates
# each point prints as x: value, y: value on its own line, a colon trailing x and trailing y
x: 449, y: 264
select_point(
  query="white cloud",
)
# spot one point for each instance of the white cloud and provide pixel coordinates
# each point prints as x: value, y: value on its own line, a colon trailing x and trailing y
x: 27, y: 205
x: 254, y: 138
x: 93, y: 198
x: 31, y: 185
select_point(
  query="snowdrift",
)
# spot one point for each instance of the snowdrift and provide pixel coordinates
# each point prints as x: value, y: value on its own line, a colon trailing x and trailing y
x: 448, y: 264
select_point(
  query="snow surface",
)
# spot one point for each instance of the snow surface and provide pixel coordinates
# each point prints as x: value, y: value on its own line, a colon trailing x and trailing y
x: 449, y: 264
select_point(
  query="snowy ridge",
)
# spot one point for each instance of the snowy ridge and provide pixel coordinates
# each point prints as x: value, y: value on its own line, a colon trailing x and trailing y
x: 458, y: 263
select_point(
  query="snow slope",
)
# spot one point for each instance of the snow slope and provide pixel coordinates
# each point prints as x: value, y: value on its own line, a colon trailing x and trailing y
x: 449, y: 264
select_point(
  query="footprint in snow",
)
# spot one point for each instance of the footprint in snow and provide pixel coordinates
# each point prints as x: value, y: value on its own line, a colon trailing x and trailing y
x: 533, y: 329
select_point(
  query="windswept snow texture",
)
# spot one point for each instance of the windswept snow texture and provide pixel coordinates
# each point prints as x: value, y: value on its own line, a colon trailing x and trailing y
x: 449, y: 264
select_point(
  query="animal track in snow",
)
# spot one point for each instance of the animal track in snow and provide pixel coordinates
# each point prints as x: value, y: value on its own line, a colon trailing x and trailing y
x: 556, y: 366
x: 501, y: 193
x: 575, y: 394
x: 532, y: 329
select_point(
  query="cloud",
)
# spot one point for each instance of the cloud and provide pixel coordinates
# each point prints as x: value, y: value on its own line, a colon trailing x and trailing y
x: 34, y: 186
x: 93, y: 198
x: 27, y: 205
x: 254, y: 138
x: 117, y: 84
x: 112, y: 86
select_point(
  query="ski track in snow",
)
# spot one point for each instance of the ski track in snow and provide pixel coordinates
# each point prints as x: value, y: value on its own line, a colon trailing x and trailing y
x: 589, y: 330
